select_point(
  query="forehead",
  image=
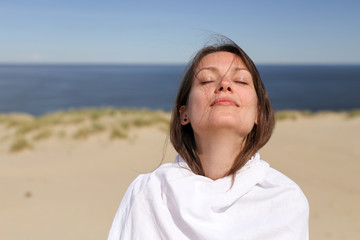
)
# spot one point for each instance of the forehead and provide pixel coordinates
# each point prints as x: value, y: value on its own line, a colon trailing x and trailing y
x: 221, y: 60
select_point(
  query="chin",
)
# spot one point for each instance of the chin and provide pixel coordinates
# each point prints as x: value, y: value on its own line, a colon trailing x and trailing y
x: 225, y: 121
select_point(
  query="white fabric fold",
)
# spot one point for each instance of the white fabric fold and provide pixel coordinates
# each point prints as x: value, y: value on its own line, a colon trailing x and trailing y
x: 174, y: 203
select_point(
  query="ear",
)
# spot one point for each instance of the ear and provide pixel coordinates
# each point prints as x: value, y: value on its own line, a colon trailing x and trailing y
x: 184, y: 117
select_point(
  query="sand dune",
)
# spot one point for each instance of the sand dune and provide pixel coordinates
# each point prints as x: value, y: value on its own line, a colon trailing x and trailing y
x: 70, y: 188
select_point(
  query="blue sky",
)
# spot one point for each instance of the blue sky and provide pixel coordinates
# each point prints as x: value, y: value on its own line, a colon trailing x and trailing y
x: 79, y: 31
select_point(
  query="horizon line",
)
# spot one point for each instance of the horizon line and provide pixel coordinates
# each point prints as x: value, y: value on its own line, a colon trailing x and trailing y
x: 166, y: 64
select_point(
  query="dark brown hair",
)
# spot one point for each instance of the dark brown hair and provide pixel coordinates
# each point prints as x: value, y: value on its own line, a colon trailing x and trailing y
x: 182, y: 137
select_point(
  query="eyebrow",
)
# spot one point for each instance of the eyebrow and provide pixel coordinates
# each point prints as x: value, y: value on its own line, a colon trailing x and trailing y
x: 214, y: 69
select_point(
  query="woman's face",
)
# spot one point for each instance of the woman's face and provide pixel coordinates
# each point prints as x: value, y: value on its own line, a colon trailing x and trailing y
x: 222, y: 96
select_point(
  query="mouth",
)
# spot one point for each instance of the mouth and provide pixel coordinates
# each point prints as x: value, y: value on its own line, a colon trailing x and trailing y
x: 224, y: 101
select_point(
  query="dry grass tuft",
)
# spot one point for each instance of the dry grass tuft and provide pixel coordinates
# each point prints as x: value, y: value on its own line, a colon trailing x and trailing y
x: 353, y: 113
x: 292, y: 114
x: 284, y: 115
x: 20, y: 144
x: 43, y: 134
x: 119, y: 133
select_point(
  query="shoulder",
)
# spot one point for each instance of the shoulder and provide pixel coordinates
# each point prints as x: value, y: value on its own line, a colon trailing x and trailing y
x: 136, y: 195
x: 275, y: 178
x: 286, y: 204
x: 165, y: 172
x: 285, y: 189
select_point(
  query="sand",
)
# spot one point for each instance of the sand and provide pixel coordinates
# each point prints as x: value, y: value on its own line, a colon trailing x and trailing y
x: 65, y: 188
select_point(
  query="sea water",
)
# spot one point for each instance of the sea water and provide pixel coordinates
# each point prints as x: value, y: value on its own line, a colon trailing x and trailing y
x: 38, y: 89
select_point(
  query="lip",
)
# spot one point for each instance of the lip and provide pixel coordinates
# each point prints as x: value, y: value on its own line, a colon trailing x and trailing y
x: 224, y: 101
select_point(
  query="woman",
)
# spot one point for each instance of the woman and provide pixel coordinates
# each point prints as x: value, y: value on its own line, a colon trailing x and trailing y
x: 218, y: 188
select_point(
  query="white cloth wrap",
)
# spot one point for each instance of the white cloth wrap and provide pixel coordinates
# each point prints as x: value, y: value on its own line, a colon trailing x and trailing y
x: 174, y: 203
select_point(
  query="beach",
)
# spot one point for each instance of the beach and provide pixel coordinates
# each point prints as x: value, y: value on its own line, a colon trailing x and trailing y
x: 63, y: 177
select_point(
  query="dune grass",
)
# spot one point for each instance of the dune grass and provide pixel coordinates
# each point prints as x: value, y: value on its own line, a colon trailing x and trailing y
x: 294, y: 114
x: 79, y: 124
x: 24, y: 130
x: 85, y: 132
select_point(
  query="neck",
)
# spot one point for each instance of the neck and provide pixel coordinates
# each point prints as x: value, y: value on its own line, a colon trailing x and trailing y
x: 218, y: 151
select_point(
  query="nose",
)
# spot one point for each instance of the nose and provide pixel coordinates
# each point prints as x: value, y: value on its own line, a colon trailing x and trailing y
x: 224, y: 85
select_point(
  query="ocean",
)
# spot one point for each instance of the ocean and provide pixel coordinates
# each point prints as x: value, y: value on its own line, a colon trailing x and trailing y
x: 39, y: 89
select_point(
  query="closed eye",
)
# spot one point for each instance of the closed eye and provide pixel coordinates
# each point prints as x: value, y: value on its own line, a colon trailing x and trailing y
x: 205, y: 82
x: 241, y: 82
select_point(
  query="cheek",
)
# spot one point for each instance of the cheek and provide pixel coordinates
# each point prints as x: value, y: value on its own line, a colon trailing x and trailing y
x: 198, y: 102
x: 249, y: 101
x: 254, y: 106
x: 248, y: 98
